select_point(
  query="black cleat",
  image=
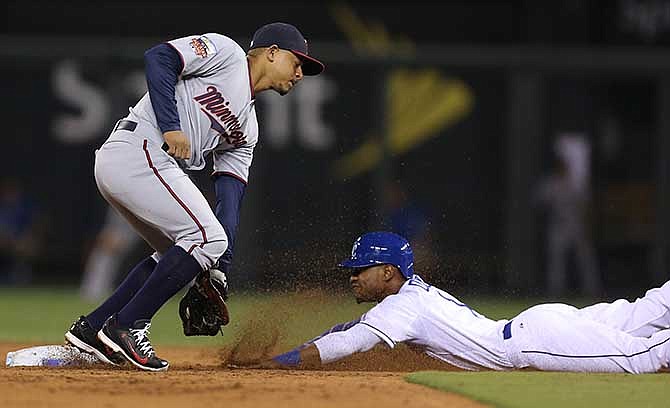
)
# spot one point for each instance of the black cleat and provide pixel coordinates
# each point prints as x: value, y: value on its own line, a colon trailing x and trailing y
x: 85, y: 338
x: 133, y: 343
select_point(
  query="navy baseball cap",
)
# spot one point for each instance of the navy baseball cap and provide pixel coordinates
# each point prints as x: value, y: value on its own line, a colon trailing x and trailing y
x: 287, y: 37
x: 378, y: 248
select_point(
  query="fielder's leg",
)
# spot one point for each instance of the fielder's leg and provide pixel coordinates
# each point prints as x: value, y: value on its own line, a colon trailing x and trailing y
x: 161, y: 196
x: 138, y: 275
x: 83, y: 333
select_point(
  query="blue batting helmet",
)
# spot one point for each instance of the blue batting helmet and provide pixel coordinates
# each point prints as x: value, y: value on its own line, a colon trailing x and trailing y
x: 376, y: 248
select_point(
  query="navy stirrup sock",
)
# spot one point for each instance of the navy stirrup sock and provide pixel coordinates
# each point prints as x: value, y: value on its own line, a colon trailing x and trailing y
x: 126, y: 290
x: 174, y: 271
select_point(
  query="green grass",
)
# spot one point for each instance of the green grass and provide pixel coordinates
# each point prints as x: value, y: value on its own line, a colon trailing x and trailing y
x: 549, y: 390
x: 44, y: 314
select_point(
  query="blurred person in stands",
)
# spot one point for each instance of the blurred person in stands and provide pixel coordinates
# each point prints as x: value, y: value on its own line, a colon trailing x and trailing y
x: 104, y: 264
x: 566, y: 196
x: 114, y: 243
x: 18, y: 232
x: 407, y: 217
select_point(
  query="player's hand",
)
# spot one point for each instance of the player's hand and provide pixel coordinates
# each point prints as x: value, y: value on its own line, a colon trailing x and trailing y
x: 178, y: 145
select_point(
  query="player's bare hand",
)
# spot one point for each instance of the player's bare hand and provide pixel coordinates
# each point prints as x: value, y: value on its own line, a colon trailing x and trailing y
x: 178, y: 145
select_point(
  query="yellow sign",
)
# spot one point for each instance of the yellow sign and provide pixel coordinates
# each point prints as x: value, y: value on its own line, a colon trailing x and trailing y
x: 420, y: 103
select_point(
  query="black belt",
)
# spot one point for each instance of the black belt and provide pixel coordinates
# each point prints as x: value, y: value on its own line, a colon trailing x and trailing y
x: 130, y: 126
x: 123, y: 124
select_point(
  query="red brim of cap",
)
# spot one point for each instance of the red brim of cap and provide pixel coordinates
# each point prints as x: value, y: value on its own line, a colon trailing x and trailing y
x: 310, y: 66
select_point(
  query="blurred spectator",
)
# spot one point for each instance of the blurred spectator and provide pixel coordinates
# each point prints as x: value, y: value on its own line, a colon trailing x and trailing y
x: 566, y: 196
x: 19, y: 233
x: 114, y: 244
x: 408, y: 218
x: 104, y: 264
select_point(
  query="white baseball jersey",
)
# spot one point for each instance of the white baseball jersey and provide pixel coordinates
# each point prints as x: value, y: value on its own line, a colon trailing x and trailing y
x: 447, y: 328
x: 617, y: 337
x: 215, y: 102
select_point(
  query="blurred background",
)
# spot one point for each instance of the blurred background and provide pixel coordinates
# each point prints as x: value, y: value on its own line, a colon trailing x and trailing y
x: 521, y: 146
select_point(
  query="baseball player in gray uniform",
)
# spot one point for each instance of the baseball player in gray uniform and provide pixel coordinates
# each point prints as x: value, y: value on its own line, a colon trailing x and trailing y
x: 618, y: 337
x: 200, y: 100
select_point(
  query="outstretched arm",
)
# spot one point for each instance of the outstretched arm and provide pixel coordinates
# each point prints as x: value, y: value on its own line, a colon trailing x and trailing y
x: 329, y: 347
x: 306, y: 353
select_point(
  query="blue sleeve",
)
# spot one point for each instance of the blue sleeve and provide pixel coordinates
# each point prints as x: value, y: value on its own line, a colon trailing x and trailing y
x: 229, y: 194
x: 337, y: 328
x: 163, y: 65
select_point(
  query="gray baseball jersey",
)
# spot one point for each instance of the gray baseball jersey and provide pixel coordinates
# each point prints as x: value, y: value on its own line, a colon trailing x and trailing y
x: 215, y: 102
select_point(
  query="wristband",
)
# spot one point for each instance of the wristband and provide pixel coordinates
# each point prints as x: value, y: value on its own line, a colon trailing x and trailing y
x: 290, y: 358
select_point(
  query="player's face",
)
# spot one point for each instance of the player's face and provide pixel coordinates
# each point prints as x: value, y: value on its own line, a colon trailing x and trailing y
x: 368, y: 283
x: 286, y: 71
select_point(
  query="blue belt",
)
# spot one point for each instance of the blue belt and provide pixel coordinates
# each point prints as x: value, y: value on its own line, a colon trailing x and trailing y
x: 507, y: 331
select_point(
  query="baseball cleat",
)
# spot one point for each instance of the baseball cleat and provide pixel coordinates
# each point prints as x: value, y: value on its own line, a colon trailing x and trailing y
x: 82, y: 336
x: 132, y: 343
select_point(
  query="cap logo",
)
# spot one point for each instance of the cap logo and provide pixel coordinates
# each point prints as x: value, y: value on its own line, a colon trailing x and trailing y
x: 355, y: 247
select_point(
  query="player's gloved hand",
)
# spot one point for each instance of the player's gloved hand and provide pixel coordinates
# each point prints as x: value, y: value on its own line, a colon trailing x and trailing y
x: 178, y: 145
x: 203, y: 308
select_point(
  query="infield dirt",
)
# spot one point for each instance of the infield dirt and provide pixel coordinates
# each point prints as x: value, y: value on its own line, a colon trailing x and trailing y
x: 201, y: 377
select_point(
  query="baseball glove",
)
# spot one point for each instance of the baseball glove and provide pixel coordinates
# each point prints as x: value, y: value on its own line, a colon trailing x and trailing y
x: 203, y: 308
